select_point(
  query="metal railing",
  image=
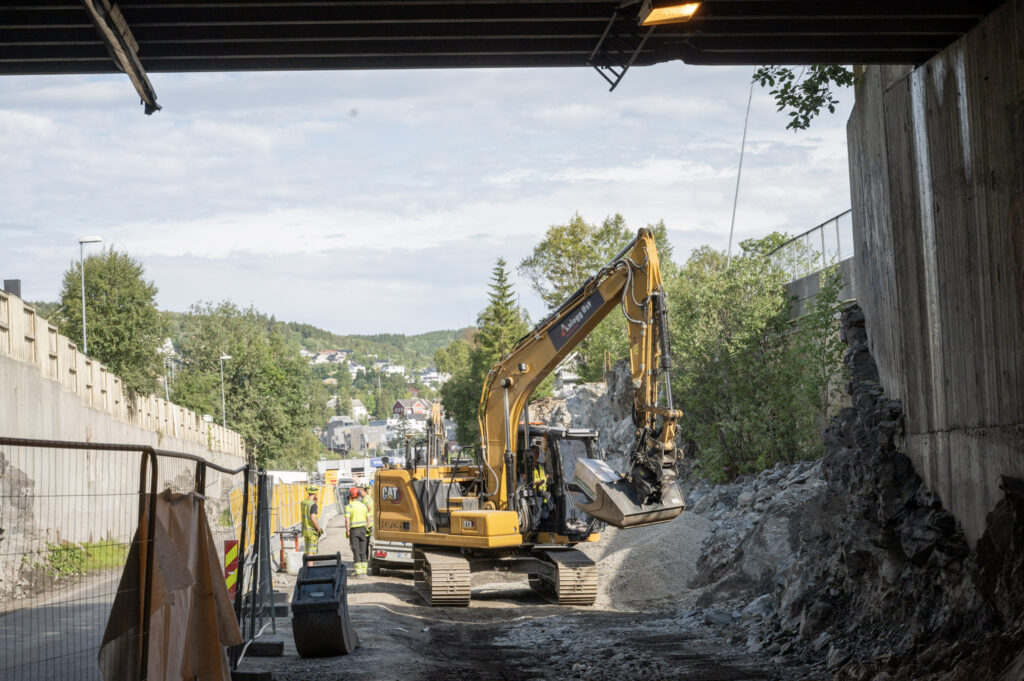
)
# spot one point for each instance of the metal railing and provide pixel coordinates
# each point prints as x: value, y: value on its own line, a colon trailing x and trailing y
x: 254, y: 599
x: 817, y: 248
x: 71, y: 516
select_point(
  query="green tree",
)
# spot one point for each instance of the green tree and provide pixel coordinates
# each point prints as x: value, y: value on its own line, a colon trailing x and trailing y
x: 461, y: 393
x: 754, y: 386
x: 272, y: 397
x: 47, y: 310
x: 300, y: 453
x: 345, y: 391
x: 403, y: 431
x: 804, y: 91
x: 570, y: 254
x: 124, y: 326
x: 501, y: 324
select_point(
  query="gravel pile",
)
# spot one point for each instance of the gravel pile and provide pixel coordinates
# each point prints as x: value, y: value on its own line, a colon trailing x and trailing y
x: 649, y: 568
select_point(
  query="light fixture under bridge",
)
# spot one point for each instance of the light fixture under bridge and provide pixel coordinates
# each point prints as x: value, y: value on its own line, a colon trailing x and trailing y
x: 655, y: 13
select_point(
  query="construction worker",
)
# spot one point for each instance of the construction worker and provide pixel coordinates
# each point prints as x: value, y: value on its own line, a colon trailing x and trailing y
x: 367, y: 498
x: 311, y: 530
x: 540, y: 476
x: 356, y: 521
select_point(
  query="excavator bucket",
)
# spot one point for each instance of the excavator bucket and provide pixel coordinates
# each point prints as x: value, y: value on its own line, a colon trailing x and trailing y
x: 609, y: 497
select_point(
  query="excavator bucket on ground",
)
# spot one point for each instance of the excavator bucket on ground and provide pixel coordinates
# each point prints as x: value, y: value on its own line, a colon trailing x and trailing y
x: 320, y: 621
x: 610, y: 497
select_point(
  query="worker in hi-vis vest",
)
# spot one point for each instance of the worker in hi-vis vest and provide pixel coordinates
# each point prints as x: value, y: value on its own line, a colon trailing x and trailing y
x: 311, y: 531
x: 356, y: 520
x: 367, y: 498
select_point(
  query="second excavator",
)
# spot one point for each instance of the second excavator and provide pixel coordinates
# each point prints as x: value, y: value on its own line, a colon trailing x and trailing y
x: 531, y: 492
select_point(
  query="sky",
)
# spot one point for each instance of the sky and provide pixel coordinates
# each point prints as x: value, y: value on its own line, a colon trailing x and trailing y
x: 379, y: 201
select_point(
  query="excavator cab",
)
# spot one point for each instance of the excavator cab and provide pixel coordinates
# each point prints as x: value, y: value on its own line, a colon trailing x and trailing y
x: 554, y: 511
x: 583, y: 491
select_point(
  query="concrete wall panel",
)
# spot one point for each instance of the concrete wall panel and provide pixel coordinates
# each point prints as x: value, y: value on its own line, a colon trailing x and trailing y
x: 937, y: 178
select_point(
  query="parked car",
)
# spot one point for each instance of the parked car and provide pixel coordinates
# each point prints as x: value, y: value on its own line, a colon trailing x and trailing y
x: 342, y: 487
x: 391, y: 555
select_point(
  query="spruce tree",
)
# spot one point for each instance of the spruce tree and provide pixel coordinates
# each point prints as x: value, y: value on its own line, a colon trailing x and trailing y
x: 502, y: 322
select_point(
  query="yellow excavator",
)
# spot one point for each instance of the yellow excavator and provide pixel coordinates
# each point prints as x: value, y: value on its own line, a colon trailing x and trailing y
x: 532, y: 492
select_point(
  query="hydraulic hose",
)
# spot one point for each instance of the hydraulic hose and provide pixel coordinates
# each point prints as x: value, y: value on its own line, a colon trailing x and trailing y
x: 506, y: 383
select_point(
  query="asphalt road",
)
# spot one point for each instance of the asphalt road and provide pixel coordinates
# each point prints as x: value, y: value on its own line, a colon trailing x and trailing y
x: 57, y: 636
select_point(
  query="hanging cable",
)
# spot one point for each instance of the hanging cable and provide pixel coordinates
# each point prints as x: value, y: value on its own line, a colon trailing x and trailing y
x: 739, y: 171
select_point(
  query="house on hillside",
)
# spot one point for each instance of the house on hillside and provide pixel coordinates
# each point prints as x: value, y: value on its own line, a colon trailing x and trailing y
x: 333, y: 436
x: 329, y: 357
x: 364, y: 438
x: 394, y: 369
x: 359, y: 409
x: 433, y: 377
x: 411, y: 407
x: 343, y: 420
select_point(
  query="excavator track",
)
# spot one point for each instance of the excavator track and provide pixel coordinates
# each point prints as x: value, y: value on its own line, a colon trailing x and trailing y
x: 441, y: 578
x: 574, y: 581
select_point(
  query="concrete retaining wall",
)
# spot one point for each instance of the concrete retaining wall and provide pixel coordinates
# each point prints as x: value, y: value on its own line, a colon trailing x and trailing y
x: 50, y: 391
x: 97, y: 482
x: 804, y: 289
x: 27, y: 338
x: 937, y: 182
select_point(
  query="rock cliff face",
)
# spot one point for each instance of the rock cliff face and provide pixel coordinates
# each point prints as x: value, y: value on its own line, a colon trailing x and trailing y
x: 605, y: 407
x: 848, y: 564
x: 851, y: 563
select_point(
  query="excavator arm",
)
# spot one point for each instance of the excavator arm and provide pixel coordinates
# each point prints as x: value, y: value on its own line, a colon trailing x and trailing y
x: 647, y: 493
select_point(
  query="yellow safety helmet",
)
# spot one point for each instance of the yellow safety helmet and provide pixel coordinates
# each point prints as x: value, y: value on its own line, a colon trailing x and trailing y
x: 312, y: 489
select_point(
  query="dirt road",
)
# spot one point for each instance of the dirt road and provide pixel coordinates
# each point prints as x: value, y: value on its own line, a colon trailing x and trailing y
x: 511, y: 634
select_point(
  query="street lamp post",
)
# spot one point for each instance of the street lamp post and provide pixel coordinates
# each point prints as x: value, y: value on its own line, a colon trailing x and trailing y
x: 223, y: 408
x: 81, y: 263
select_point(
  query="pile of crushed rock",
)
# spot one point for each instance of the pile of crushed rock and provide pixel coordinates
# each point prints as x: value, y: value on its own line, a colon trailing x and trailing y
x: 848, y: 564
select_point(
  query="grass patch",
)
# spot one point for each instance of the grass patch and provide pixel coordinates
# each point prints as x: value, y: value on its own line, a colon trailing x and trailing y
x: 67, y: 559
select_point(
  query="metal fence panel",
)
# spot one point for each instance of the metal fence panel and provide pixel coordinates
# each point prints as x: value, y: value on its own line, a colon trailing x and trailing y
x: 67, y: 519
x: 69, y: 514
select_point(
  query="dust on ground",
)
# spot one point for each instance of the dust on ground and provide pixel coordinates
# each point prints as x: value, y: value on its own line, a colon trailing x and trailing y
x: 509, y: 633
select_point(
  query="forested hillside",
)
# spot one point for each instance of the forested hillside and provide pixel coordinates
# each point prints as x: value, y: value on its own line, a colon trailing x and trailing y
x: 414, y: 352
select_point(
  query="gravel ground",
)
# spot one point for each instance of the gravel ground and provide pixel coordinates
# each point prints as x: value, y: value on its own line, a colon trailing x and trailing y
x: 510, y: 634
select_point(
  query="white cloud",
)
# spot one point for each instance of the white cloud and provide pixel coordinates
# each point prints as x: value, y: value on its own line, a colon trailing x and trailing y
x: 310, y: 193
x: 18, y: 124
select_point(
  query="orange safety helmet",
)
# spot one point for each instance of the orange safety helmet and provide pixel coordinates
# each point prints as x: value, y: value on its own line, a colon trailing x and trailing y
x: 353, y: 492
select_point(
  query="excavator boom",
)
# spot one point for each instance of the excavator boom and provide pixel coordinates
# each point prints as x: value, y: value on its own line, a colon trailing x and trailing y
x: 647, y: 493
x: 504, y: 508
